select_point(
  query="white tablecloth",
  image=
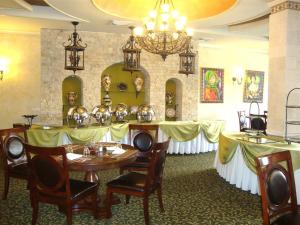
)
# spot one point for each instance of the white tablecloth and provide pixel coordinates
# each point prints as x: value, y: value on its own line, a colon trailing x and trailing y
x: 199, y: 144
x: 237, y: 173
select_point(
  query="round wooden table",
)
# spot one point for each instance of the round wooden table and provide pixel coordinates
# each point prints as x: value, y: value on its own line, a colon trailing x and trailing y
x: 96, y: 162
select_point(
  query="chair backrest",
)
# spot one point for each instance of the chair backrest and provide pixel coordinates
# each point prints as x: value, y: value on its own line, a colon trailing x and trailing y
x: 48, y: 171
x: 12, y: 145
x: 146, y: 136
x: 277, y: 185
x: 258, y: 123
x: 156, y: 164
x: 242, y: 120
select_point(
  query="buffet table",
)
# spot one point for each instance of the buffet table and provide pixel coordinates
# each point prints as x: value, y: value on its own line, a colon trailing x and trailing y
x: 187, y: 137
x: 235, y: 160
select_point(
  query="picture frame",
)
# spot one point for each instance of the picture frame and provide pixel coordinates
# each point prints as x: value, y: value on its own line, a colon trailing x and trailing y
x: 212, y: 85
x: 254, y: 86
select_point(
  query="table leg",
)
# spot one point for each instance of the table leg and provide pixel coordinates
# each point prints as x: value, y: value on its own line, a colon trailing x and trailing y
x: 85, y: 205
x: 91, y: 176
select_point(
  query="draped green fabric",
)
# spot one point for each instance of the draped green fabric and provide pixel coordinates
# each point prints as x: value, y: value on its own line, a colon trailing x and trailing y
x: 47, y: 138
x: 187, y: 130
x: 181, y: 130
x: 228, y: 144
x: 227, y: 148
x: 212, y: 129
x: 118, y: 131
x: 178, y: 130
x: 87, y: 135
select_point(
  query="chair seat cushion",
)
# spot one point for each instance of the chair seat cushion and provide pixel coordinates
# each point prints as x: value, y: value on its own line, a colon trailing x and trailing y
x: 20, y: 170
x: 131, y: 181
x: 79, y: 187
x: 288, y: 219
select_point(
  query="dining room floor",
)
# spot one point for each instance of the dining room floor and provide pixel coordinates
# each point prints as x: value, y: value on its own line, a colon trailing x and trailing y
x: 193, y: 193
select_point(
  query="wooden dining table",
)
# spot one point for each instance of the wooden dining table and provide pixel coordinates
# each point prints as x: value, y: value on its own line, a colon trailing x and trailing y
x: 95, y: 162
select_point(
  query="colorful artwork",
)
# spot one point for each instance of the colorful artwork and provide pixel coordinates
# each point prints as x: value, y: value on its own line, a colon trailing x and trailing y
x: 254, y: 86
x: 212, y: 85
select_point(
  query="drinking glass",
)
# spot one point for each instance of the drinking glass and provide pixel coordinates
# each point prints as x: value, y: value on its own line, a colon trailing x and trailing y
x: 86, y: 151
x: 119, y: 145
x: 69, y: 149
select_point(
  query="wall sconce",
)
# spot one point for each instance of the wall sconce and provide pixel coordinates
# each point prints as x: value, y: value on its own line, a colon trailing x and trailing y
x: 3, y: 67
x: 238, y: 75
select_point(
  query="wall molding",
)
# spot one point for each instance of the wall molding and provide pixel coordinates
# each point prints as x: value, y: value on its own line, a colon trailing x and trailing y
x: 284, y: 6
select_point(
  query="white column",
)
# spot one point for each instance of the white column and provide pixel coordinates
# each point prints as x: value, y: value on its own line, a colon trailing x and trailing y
x: 284, y: 60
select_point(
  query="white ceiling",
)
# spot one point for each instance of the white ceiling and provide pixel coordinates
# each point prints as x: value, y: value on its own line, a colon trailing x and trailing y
x: 19, y: 16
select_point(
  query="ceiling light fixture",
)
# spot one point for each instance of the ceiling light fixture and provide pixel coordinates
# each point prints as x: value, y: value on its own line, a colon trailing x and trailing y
x: 165, y: 31
x: 74, y: 51
x: 187, y: 60
x: 165, y: 34
x: 131, y: 54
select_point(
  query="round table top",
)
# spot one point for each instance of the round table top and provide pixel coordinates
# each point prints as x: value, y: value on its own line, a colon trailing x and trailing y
x: 101, y: 161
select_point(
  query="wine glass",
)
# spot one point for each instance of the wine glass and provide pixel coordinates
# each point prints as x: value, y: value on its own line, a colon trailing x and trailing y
x: 86, y: 151
x: 69, y: 149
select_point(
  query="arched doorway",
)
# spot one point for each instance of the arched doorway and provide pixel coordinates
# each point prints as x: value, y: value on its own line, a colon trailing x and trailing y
x: 71, y: 94
x: 123, y: 89
x: 173, y: 100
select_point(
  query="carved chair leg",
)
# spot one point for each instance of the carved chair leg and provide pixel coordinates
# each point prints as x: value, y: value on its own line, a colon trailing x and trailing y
x: 109, y: 195
x: 127, y: 198
x: 146, y: 210
x: 35, y: 210
x: 69, y: 214
x: 95, y: 196
x: 6, y: 186
x: 159, y: 195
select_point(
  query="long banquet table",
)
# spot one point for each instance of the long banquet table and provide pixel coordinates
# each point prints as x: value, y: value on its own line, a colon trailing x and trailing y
x: 235, y: 160
x: 187, y: 137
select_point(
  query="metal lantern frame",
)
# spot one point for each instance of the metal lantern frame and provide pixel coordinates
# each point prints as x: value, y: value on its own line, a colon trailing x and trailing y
x: 131, y: 51
x: 74, y: 51
x: 187, y: 60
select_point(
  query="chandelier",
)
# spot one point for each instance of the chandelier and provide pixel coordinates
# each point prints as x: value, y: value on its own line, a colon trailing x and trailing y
x: 164, y: 31
x: 74, y: 51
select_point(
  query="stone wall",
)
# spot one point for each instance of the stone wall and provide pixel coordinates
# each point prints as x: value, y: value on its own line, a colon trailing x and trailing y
x: 104, y: 49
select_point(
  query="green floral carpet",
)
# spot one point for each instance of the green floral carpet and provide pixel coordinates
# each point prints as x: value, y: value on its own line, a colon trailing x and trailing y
x: 193, y: 193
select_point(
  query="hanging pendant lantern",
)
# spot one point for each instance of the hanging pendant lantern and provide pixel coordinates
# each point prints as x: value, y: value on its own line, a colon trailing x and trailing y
x: 131, y: 54
x: 187, y: 60
x: 74, y: 51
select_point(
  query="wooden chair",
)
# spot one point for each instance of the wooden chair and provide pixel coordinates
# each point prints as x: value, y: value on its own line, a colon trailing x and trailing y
x: 50, y: 183
x: 13, y: 155
x: 140, y: 184
x: 143, y: 140
x: 258, y: 123
x: 242, y: 121
x: 277, y: 185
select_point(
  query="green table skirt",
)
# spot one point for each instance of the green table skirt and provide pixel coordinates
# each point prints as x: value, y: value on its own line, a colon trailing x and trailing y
x: 228, y: 144
x: 181, y: 131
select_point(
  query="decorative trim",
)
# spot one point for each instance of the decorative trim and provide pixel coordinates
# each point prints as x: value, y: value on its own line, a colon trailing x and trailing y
x: 285, y: 5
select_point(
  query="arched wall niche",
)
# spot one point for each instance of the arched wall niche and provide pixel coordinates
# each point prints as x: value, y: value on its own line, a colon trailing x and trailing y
x: 122, y: 88
x: 71, y: 94
x: 173, y: 105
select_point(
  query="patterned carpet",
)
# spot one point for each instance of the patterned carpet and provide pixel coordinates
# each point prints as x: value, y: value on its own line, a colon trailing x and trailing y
x: 193, y: 193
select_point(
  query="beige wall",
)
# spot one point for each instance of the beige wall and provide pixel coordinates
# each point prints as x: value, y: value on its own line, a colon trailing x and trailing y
x: 37, y: 71
x: 20, y: 87
x: 228, y: 56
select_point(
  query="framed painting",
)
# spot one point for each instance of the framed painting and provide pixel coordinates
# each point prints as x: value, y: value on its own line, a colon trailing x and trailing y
x: 254, y: 86
x: 212, y: 85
